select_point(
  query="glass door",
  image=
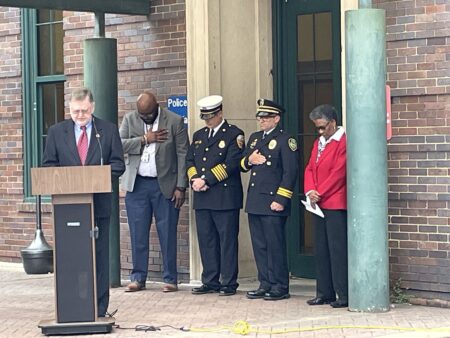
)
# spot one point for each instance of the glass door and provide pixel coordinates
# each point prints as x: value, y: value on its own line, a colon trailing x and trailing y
x: 307, y: 73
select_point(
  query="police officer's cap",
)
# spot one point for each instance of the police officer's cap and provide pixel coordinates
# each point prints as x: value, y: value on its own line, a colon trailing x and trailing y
x: 209, y: 106
x: 268, y: 108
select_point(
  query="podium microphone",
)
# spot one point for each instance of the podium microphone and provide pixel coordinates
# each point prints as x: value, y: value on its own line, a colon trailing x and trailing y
x: 97, y: 137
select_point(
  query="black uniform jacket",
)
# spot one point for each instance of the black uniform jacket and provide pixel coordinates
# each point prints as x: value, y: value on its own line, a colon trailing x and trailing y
x: 275, y: 179
x: 217, y: 161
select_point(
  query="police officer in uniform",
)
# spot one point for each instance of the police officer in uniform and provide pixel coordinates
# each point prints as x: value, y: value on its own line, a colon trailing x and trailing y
x: 272, y: 158
x: 213, y: 171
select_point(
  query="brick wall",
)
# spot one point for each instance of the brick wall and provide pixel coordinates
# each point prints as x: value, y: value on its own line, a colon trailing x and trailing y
x: 418, y: 65
x: 14, y: 226
x: 151, y: 55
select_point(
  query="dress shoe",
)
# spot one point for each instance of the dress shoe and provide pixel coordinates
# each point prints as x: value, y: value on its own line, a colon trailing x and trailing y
x: 203, y: 289
x: 135, y: 286
x: 320, y: 301
x: 276, y: 295
x: 227, y: 292
x: 339, y: 303
x: 256, y: 294
x: 169, y: 288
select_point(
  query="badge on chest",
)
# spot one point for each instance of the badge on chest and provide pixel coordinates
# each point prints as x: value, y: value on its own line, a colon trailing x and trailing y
x: 145, y: 157
x: 272, y: 144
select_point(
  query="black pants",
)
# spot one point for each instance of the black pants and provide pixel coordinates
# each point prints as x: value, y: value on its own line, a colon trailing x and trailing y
x: 330, y: 242
x: 217, y: 232
x: 269, y: 247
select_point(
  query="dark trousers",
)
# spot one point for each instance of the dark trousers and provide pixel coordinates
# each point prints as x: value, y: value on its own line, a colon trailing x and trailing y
x: 217, y: 232
x: 269, y: 247
x: 330, y: 243
x: 102, y: 264
x: 145, y: 200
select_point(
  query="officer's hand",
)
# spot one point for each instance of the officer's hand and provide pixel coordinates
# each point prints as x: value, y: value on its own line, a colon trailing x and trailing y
x: 314, y: 196
x: 205, y: 187
x: 275, y: 206
x: 158, y: 136
x: 198, y: 183
x: 178, y: 197
x: 256, y: 158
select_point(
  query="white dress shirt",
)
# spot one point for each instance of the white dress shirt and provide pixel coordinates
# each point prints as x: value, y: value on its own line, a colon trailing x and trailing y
x: 147, y: 166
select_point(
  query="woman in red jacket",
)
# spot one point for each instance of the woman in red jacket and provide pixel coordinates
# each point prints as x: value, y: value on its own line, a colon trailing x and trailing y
x: 325, y: 185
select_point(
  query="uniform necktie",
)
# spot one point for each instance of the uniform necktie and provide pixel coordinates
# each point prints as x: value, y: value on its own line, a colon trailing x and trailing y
x: 211, y: 133
x: 83, y: 145
x: 264, y: 136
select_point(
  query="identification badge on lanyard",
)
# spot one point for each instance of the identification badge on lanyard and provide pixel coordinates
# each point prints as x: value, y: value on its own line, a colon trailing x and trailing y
x: 145, y: 157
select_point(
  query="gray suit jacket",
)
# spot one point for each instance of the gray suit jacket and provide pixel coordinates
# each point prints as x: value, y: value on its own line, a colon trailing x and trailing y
x: 170, y: 155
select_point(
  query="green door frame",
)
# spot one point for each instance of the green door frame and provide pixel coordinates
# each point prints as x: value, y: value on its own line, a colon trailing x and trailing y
x: 286, y: 92
x: 32, y: 98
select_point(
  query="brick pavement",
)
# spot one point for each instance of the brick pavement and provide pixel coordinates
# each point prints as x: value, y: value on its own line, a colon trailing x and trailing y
x: 27, y: 299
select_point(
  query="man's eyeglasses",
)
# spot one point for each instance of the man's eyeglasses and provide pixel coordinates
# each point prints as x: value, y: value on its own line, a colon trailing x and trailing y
x: 80, y: 111
x: 322, y: 128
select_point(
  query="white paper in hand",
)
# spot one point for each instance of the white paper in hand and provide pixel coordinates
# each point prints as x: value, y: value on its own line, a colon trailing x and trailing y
x: 315, y: 210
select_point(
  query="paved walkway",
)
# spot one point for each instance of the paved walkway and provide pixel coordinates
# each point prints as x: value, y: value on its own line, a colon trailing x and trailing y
x: 25, y: 300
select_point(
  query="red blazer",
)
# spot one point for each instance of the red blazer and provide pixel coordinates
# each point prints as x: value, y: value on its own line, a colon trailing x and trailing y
x: 328, y: 175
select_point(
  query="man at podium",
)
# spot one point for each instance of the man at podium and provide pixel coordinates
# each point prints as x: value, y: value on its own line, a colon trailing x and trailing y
x: 88, y: 140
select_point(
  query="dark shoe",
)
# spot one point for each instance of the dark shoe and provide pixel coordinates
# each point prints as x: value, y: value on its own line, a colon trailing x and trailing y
x: 135, y: 286
x: 203, y: 289
x: 320, y: 301
x: 256, y: 294
x: 339, y: 303
x: 276, y: 295
x: 169, y: 288
x: 227, y: 292
x: 111, y: 315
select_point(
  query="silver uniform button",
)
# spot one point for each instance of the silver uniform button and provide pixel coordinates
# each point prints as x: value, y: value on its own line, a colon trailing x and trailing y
x: 254, y: 174
x: 203, y: 169
x: 225, y: 185
x: 269, y: 163
x: 206, y: 149
x: 253, y: 184
x: 204, y: 159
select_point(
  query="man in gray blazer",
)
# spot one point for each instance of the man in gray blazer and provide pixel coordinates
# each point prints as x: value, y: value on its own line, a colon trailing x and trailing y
x: 155, y: 144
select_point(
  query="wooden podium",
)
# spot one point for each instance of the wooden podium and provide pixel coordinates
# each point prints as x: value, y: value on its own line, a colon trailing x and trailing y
x: 74, y: 232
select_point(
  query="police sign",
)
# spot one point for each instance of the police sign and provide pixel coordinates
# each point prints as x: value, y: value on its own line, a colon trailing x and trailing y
x: 178, y: 105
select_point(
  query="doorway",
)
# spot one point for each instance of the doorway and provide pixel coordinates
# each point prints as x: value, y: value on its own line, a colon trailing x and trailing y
x: 307, y: 73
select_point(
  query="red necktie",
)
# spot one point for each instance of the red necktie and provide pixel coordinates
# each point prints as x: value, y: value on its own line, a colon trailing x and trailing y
x: 83, y: 145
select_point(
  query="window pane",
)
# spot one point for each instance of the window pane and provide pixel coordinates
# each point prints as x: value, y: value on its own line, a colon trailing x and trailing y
x: 315, y: 85
x: 43, y: 15
x: 52, y: 108
x: 48, y: 15
x: 50, y: 43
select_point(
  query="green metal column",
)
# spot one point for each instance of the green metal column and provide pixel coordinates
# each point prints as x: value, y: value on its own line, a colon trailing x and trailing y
x: 100, y: 75
x: 367, y: 161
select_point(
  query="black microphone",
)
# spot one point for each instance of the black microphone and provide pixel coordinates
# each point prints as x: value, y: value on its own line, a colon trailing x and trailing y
x: 97, y: 137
